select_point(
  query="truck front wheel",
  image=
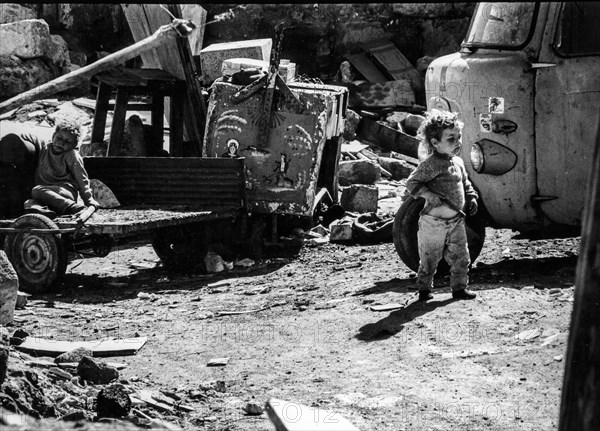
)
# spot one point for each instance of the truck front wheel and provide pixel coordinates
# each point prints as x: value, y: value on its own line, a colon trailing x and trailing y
x: 406, y: 225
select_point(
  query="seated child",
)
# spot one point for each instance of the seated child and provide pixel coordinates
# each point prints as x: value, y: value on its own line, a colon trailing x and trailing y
x: 60, y: 175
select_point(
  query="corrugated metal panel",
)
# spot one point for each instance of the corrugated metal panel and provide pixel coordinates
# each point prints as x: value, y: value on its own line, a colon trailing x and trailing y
x: 207, y: 183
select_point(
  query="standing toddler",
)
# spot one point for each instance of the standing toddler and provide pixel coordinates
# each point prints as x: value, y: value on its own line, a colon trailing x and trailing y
x: 441, y: 179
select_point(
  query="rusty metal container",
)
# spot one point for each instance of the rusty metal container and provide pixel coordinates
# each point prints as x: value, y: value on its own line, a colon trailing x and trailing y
x: 284, y: 171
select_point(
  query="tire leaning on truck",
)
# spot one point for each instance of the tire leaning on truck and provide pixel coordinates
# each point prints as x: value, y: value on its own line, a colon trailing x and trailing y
x: 406, y: 225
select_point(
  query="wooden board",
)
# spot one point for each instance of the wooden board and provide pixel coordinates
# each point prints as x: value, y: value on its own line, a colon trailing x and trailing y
x: 367, y: 68
x: 143, y: 20
x: 101, y: 348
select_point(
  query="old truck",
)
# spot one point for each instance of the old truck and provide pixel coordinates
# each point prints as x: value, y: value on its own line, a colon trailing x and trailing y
x: 526, y: 84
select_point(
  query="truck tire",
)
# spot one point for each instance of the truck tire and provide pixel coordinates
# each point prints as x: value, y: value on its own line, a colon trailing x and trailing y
x: 181, y: 248
x: 39, y: 259
x: 406, y: 225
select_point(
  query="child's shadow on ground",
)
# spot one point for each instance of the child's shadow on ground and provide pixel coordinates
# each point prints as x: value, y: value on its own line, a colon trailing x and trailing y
x: 395, y: 321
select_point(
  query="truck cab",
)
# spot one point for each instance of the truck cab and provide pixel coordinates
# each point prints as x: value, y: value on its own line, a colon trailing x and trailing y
x: 526, y: 83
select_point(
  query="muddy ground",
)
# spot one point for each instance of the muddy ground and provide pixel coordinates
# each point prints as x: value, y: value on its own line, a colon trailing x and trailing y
x: 494, y: 363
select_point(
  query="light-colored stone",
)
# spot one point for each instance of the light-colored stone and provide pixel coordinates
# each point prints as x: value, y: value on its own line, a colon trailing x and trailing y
x: 25, y: 39
x: 341, y: 230
x: 399, y: 169
x: 212, y: 57
x: 360, y: 198
x: 358, y: 172
x: 12, y: 12
x: 9, y: 285
x: 74, y: 355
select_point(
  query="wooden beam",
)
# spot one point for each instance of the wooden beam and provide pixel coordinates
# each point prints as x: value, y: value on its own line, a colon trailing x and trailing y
x: 580, y: 404
x: 163, y: 34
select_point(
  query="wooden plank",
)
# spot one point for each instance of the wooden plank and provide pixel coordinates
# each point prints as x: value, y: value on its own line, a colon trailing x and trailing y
x: 367, y: 68
x: 292, y: 416
x: 142, y: 19
x: 580, y: 403
x: 100, y: 348
x: 394, y: 62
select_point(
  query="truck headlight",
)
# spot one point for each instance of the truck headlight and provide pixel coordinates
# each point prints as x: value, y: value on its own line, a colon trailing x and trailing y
x: 489, y: 157
x: 477, y: 159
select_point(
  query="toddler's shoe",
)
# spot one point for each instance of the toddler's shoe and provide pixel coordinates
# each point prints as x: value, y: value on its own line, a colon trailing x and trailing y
x: 463, y: 294
x: 425, y: 295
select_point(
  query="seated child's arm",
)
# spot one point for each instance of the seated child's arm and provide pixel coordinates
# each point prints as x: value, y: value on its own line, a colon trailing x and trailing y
x: 81, y: 177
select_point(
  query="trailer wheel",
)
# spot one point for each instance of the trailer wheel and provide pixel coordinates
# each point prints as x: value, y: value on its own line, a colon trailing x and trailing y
x: 181, y: 248
x: 39, y: 259
x: 406, y: 225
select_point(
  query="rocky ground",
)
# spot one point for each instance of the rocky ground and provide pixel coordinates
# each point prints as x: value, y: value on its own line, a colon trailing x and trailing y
x: 334, y: 327
x: 308, y: 332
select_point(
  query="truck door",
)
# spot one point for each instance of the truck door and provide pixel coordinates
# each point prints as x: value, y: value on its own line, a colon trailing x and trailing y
x: 567, y: 109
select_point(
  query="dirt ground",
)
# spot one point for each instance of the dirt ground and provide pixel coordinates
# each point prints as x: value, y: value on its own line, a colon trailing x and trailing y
x: 310, y: 335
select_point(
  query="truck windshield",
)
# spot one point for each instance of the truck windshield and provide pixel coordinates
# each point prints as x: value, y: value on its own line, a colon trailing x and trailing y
x: 500, y: 25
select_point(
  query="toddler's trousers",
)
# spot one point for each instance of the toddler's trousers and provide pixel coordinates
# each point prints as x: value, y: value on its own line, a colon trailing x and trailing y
x: 445, y: 238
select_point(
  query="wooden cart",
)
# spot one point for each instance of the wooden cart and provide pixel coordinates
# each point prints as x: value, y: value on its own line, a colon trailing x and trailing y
x: 173, y: 201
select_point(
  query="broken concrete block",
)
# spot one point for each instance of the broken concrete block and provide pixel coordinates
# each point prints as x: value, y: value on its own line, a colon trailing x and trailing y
x: 341, y: 230
x: 358, y: 172
x: 74, y: 355
x: 113, y: 402
x: 9, y: 286
x: 212, y: 57
x: 399, y: 169
x: 360, y: 198
x: 25, y: 39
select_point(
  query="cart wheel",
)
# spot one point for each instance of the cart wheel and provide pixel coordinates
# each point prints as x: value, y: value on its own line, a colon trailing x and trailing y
x: 406, y: 225
x: 181, y: 248
x: 40, y: 259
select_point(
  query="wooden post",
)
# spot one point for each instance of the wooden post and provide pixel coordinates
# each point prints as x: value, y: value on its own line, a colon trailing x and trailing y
x: 580, y: 404
x: 164, y: 33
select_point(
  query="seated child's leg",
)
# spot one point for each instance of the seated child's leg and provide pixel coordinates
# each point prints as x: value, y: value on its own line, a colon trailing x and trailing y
x: 58, y: 199
x: 457, y: 255
x: 431, y: 238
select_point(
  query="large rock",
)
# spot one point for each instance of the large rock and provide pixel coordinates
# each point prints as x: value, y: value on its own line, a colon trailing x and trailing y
x: 11, y: 12
x: 29, y: 38
x: 113, y: 402
x: 399, y: 169
x: 9, y: 285
x: 358, y: 172
x: 17, y: 76
x: 23, y: 393
x: 360, y: 198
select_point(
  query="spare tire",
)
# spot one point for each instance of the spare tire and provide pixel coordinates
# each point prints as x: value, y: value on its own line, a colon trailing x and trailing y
x: 406, y: 225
